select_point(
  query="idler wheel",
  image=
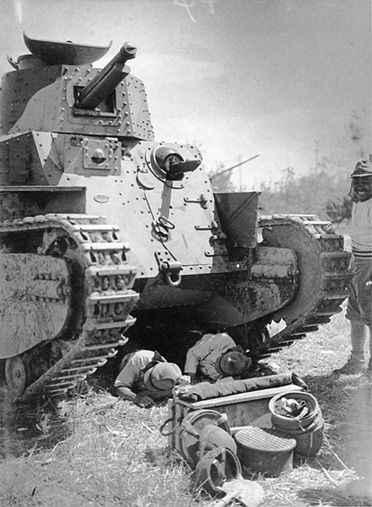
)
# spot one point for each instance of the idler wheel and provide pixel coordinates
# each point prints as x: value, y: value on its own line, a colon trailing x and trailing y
x: 15, y: 375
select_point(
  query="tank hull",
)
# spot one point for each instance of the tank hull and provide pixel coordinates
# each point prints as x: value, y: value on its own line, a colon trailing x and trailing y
x: 107, y: 235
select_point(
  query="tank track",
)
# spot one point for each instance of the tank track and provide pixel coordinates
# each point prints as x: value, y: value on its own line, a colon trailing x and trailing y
x: 318, y: 247
x: 107, y: 302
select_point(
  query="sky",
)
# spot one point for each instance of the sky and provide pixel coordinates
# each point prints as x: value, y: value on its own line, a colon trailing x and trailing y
x: 275, y: 78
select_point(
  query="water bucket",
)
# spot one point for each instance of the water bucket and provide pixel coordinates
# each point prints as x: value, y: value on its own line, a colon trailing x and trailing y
x: 306, y: 429
x: 263, y: 450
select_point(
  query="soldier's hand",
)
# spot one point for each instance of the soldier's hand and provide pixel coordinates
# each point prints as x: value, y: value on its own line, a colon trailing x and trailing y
x: 142, y: 400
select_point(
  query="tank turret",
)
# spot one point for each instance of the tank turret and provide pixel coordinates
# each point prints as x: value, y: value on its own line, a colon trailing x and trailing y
x: 56, y: 89
x: 108, y: 235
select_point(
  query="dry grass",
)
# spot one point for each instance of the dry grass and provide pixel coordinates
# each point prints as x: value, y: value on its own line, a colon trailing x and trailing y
x: 113, y: 456
x: 110, y: 452
x: 347, y: 411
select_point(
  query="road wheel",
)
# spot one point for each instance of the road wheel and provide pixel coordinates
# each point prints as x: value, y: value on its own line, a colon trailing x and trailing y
x: 15, y: 375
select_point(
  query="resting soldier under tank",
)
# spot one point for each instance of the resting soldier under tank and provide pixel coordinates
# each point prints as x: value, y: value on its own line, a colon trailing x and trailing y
x: 146, y: 377
x: 216, y: 356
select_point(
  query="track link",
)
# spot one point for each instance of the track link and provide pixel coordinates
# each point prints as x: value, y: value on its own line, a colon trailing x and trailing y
x: 94, y: 247
x: 323, y: 274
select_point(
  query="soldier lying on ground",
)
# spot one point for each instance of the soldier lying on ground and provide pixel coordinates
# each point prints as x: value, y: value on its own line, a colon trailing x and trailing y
x: 146, y: 377
x: 216, y: 356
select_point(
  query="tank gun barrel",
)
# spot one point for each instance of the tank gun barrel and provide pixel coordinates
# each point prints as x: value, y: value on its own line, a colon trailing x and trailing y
x: 106, y: 81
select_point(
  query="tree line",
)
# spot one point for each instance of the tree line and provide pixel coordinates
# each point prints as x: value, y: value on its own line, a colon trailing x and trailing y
x: 323, y: 190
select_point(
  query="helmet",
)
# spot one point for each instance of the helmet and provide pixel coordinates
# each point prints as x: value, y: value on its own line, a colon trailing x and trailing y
x: 162, y: 377
x: 232, y: 363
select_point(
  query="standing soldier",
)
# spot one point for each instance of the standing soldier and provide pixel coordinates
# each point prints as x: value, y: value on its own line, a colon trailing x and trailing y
x: 359, y: 308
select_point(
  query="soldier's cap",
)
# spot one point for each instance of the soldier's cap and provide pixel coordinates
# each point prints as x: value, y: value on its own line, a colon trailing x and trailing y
x: 162, y: 377
x: 362, y: 169
x: 232, y: 362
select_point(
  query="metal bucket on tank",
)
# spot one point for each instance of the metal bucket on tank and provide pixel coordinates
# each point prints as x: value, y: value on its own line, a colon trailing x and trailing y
x: 306, y: 427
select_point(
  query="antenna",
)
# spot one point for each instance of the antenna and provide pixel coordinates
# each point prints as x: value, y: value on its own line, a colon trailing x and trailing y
x: 233, y: 167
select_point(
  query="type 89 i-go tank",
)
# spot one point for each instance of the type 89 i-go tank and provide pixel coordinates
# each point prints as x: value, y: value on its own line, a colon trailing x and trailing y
x: 107, y: 233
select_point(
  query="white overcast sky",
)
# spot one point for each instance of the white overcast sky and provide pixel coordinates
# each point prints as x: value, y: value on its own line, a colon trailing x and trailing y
x: 275, y: 77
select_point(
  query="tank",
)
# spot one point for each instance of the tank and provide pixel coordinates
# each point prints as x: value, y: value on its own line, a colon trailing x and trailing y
x: 108, y: 235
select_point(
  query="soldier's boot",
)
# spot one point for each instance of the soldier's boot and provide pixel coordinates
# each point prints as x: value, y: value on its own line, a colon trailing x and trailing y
x: 353, y: 366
